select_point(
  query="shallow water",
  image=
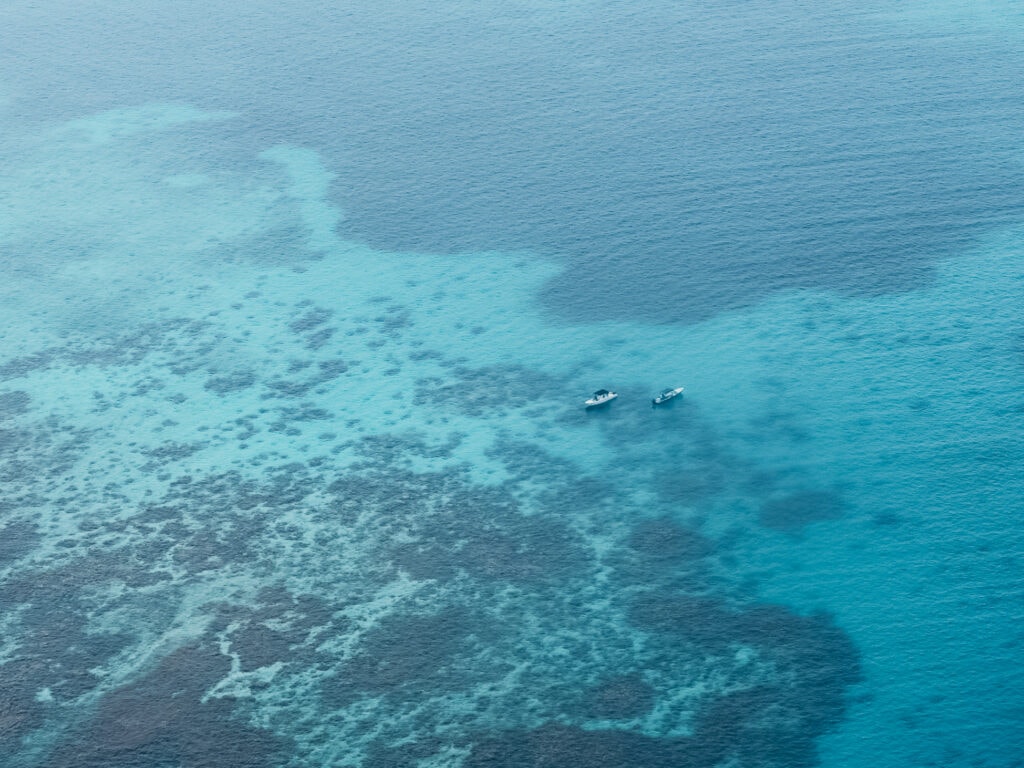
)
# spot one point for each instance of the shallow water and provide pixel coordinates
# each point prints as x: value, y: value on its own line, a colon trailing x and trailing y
x: 298, y: 313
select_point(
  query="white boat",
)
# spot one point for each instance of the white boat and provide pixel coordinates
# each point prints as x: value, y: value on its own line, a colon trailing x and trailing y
x: 600, y: 397
x: 666, y: 395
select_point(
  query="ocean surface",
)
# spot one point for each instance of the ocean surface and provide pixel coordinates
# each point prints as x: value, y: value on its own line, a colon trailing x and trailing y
x: 299, y: 303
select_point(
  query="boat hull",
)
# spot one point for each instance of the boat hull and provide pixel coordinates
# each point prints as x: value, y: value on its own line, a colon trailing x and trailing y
x: 664, y: 397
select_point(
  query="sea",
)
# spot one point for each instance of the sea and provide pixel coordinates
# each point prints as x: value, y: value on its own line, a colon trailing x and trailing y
x: 299, y: 305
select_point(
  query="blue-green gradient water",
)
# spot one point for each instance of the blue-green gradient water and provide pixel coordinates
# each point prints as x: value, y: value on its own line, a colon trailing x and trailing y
x: 299, y: 305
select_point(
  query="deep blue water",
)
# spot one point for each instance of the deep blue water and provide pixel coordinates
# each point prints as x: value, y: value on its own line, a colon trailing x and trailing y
x: 299, y: 307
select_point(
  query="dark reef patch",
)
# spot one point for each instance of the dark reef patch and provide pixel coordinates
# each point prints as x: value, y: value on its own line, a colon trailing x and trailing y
x: 393, y: 321
x: 175, y: 337
x: 792, y: 512
x: 521, y: 548
x: 18, y: 367
x: 14, y: 403
x: 278, y: 629
x: 619, y: 698
x: 46, y: 450
x: 527, y: 462
x: 778, y: 423
x: 510, y: 548
x: 383, y: 755
x: 319, y: 339
x: 326, y: 370
x: 289, y: 416
x: 419, y: 355
x: 773, y: 725
x: 760, y: 726
x: 430, y: 560
x: 20, y: 712
x: 389, y: 449
x: 130, y: 348
x: 310, y: 323
x: 259, y: 645
x: 406, y: 654
x: 665, y: 540
x: 17, y: 539
x: 438, y: 523
x: 696, y: 620
x: 310, y: 320
x: 209, y: 522
x: 691, y: 485
x: 281, y: 243
x: 663, y: 553
x: 558, y: 746
x: 55, y: 649
x: 821, y: 658
x: 230, y: 382
x: 433, y: 525
x: 172, y: 451
x: 555, y: 484
x: 479, y: 391
x: 777, y: 722
x: 146, y: 385
x: 161, y: 720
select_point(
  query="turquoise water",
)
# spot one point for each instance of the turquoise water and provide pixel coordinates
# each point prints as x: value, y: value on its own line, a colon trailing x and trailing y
x: 299, y: 307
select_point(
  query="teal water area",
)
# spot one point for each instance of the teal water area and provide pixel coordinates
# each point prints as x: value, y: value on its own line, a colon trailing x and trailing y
x: 296, y: 472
